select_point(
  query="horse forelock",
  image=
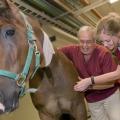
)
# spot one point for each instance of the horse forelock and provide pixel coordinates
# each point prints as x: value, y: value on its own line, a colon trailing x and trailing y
x: 6, y: 15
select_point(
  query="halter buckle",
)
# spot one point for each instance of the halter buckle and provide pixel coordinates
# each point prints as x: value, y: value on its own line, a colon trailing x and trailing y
x: 21, y: 80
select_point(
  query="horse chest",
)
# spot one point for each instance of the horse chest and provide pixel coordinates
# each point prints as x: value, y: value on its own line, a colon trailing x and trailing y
x: 55, y: 105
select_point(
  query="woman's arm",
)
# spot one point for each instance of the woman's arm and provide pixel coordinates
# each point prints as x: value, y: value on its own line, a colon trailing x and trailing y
x: 83, y: 84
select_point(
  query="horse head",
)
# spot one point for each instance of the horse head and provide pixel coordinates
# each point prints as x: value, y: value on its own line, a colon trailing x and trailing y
x: 17, y: 46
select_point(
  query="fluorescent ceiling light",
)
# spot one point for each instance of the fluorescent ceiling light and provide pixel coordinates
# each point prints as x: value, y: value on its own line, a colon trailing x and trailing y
x: 112, y: 1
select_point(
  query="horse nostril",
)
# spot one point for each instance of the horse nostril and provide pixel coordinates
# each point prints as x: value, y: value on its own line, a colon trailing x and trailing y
x: 15, y: 104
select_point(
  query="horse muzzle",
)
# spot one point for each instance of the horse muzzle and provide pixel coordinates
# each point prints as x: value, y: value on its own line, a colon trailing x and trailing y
x: 7, y: 109
x: 8, y: 105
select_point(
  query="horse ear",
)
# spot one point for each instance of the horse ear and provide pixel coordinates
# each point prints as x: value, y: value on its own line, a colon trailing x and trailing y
x: 4, y: 9
x: 11, y: 6
x: 8, y: 7
x: 4, y: 4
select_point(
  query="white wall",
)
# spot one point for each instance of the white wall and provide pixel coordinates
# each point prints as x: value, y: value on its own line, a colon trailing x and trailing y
x: 62, y: 38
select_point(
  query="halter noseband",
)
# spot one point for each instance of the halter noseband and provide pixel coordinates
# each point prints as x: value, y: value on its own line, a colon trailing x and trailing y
x: 21, y: 77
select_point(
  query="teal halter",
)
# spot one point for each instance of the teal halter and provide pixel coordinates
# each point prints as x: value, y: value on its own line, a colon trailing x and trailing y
x: 20, y: 78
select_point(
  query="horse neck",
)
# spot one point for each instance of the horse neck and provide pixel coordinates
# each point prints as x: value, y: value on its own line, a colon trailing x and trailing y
x: 45, y: 74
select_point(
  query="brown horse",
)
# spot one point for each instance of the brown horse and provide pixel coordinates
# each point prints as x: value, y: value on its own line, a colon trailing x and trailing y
x: 25, y: 55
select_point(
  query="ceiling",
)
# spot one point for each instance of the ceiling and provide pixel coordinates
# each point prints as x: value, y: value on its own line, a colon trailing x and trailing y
x: 68, y: 15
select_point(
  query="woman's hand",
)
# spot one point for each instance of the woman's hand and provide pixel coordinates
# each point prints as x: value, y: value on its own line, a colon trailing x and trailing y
x: 83, y: 84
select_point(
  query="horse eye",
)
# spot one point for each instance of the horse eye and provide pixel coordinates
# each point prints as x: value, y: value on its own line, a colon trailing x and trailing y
x: 10, y: 32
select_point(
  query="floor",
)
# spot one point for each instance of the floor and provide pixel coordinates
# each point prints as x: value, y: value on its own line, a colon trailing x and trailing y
x: 26, y: 111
